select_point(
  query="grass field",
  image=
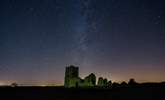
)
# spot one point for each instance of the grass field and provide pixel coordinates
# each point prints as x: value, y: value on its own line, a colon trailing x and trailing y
x: 61, y: 93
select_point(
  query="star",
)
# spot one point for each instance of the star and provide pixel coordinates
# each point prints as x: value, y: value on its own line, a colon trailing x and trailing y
x: 157, y: 21
x: 31, y: 9
x: 159, y: 17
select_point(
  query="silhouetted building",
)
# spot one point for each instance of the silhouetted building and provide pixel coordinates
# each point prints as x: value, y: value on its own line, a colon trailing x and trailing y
x: 71, y: 76
x: 72, y: 79
x: 90, y: 80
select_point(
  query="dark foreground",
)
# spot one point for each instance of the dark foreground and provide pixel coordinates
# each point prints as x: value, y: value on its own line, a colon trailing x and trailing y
x: 60, y: 93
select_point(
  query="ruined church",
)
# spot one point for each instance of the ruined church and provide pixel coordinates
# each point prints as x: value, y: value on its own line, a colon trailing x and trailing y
x: 72, y: 79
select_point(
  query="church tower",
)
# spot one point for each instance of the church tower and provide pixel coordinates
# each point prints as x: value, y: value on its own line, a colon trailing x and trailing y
x: 71, y: 76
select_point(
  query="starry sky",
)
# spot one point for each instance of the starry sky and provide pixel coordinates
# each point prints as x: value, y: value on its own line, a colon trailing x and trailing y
x: 116, y: 39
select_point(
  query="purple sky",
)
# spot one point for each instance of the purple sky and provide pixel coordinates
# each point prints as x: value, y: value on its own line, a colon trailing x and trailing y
x: 117, y: 39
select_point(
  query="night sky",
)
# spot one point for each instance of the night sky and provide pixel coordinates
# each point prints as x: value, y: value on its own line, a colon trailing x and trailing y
x: 117, y: 39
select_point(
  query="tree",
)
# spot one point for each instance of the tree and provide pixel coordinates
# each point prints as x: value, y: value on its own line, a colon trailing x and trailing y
x: 105, y: 82
x: 14, y: 85
x: 100, y: 82
x: 132, y: 82
x: 109, y: 83
x: 123, y: 84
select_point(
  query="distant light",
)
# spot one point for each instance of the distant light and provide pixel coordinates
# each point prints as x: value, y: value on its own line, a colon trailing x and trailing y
x: 2, y: 84
x: 43, y: 85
